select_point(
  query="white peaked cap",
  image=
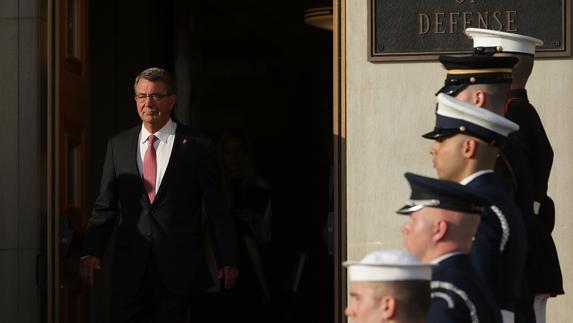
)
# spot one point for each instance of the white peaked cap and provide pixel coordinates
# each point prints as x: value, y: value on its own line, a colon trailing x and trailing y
x: 388, y: 265
x: 477, y: 119
x: 506, y: 42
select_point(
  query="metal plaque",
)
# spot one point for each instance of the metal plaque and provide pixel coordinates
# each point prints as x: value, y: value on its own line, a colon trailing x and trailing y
x: 424, y: 29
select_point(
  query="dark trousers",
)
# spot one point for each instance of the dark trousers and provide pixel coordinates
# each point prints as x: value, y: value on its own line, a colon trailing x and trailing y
x: 153, y: 303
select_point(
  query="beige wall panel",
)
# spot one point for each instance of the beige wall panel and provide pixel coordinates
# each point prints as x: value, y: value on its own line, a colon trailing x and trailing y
x: 389, y: 105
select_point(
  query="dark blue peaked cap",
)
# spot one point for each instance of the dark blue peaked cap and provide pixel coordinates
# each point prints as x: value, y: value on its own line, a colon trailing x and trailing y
x: 442, y: 194
x: 468, y: 70
x: 454, y: 117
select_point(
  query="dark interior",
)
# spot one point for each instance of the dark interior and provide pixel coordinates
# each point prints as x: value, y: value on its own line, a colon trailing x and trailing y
x: 252, y: 65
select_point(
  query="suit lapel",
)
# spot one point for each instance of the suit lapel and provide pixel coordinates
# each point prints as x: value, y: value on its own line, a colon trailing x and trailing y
x: 131, y: 142
x: 131, y: 158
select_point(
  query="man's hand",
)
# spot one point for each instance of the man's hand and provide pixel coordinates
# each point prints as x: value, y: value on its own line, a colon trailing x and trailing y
x: 230, y: 275
x: 88, y: 265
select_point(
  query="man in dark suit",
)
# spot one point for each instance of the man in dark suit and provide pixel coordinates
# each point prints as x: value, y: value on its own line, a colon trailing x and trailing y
x: 443, y: 218
x: 465, y: 148
x: 526, y: 165
x: 157, y: 178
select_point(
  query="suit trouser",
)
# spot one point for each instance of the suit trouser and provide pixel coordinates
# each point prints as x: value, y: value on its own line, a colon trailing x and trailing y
x: 153, y: 303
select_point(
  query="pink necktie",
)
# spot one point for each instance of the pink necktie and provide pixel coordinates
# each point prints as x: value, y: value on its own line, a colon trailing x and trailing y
x: 150, y: 168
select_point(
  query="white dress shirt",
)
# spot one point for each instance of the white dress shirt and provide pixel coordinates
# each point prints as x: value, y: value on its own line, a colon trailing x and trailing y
x: 163, y: 147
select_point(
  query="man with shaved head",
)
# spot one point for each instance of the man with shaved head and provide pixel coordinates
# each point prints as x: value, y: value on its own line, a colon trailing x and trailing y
x: 443, y: 219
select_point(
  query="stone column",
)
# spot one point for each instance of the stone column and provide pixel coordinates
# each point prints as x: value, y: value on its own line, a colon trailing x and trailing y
x: 23, y: 66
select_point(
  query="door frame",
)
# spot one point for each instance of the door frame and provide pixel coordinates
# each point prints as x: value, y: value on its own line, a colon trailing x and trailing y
x: 51, y: 252
x: 67, y: 126
x: 339, y: 137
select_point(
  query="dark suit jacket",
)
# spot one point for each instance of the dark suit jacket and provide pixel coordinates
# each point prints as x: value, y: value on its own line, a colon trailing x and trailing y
x: 459, y: 294
x: 170, y: 228
x: 499, y: 250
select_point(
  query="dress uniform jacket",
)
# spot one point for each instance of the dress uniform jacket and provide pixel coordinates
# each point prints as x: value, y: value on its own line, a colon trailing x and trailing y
x: 459, y: 294
x: 499, y: 249
x: 528, y: 158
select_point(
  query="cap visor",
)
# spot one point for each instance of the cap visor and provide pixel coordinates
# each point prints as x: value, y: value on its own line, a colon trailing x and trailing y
x: 440, y: 133
x: 407, y: 209
x: 452, y: 89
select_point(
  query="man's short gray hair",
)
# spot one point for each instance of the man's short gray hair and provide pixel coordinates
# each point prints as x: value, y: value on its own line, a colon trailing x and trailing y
x: 157, y: 74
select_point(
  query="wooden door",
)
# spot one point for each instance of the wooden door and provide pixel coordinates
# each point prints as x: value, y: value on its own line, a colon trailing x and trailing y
x: 70, y: 133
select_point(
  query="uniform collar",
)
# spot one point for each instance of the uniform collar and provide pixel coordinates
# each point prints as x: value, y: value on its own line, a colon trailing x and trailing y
x: 473, y: 176
x: 518, y: 94
x: 446, y: 256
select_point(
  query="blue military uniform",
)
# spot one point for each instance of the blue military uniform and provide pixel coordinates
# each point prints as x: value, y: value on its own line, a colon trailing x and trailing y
x: 499, y: 249
x: 459, y: 294
x: 500, y: 245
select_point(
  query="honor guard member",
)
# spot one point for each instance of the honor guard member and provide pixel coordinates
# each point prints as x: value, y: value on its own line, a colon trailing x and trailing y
x: 527, y: 161
x: 443, y: 218
x: 389, y: 286
x: 465, y: 148
x: 480, y: 80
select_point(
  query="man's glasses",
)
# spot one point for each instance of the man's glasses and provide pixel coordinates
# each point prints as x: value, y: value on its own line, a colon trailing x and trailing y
x: 154, y: 96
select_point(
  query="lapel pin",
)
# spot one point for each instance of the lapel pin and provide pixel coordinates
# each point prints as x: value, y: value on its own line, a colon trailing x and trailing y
x: 184, y: 141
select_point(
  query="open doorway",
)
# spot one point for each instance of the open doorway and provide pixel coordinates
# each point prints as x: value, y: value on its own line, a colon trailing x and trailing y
x: 253, y: 67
